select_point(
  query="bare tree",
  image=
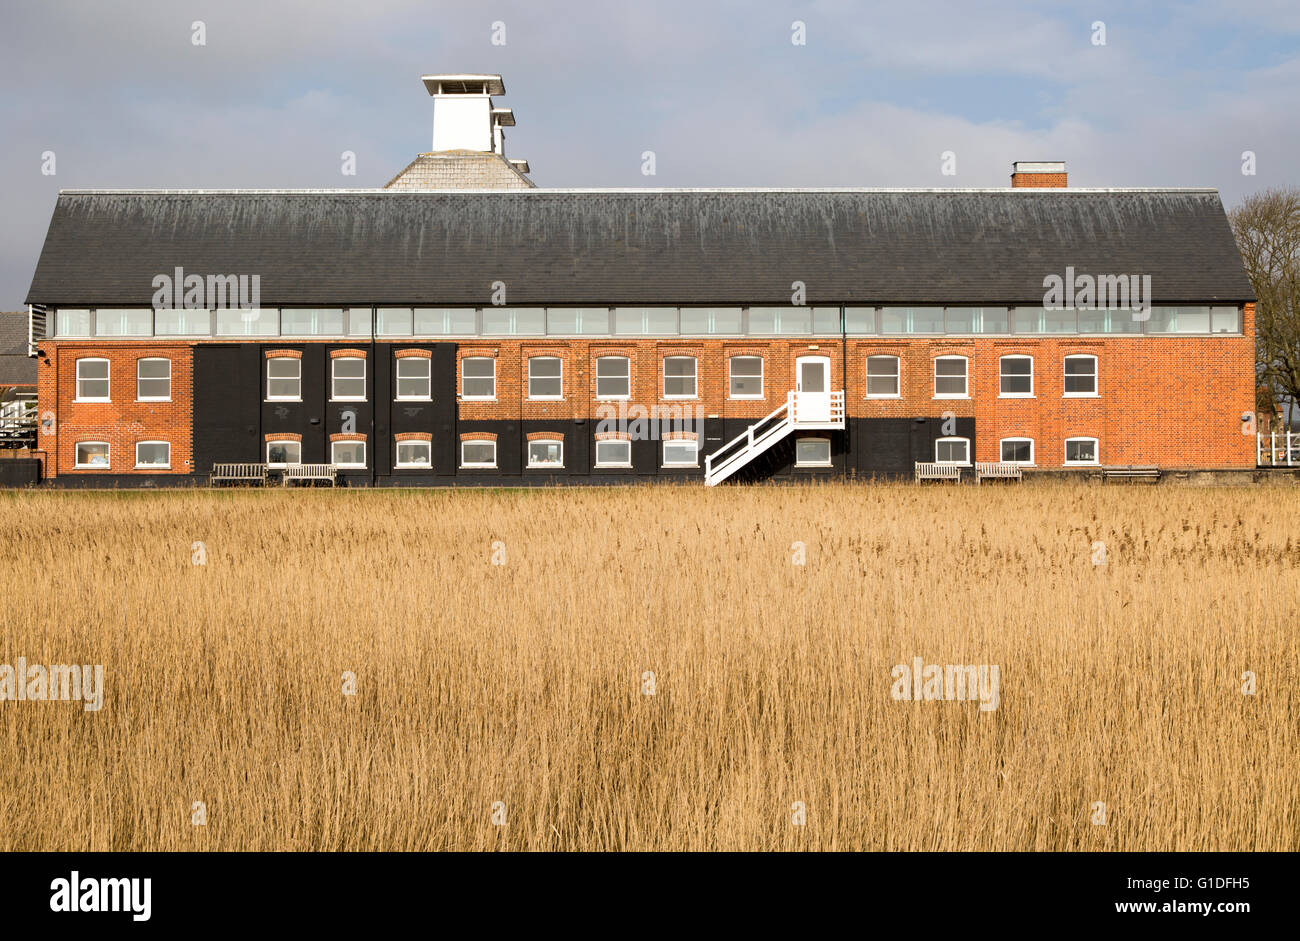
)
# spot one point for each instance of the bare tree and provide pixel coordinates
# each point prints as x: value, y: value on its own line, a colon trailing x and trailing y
x: 1267, y: 228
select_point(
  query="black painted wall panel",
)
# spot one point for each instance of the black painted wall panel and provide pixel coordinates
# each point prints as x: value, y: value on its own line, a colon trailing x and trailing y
x: 225, y: 406
x: 446, y: 452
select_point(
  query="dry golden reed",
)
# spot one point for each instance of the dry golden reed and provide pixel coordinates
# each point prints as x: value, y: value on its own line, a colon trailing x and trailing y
x: 522, y: 683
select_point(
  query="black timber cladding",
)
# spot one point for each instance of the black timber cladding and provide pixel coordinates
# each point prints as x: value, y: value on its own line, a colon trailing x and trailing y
x: 722, y: 247
x: 232, y: 420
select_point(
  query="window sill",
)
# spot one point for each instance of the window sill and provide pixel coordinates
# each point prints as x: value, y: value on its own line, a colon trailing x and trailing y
x: 360, y: 399
x: 283, y: 399
x: 91, y: 467
x: 545, y: 467
x: 1080, y: 395
x: 168, y: 399
x: 1016, y: 395
x: 153, y: 467
x: 478, y: 467
x: 414, y: 398
x: 412, y: 467
x: 746, y: 398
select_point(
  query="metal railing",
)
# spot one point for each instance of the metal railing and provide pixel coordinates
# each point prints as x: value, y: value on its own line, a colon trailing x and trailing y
x: 1277, y: 449
x: 767, y: 431
x: 18, y: 427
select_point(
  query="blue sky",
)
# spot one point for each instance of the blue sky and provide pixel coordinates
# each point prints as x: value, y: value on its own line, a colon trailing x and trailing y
x: 880, y: 91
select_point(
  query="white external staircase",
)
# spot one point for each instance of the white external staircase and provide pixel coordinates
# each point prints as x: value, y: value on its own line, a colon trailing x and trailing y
x: 800, y: 411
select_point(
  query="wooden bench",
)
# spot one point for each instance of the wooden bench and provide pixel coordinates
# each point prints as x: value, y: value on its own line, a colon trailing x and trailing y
x: 1130, y: 473
x: 931, y: 471
x: 309, y: 472
x: 243, y: 473
x: 997, y: 470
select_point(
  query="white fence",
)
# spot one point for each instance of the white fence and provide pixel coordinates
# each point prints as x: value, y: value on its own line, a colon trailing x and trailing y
x: 1278, y: 449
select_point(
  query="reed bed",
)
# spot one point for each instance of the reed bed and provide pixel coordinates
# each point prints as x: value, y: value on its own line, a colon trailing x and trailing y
x: 648, y: 668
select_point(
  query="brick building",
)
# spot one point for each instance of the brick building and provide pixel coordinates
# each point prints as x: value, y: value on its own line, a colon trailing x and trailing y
x: 434, y: 333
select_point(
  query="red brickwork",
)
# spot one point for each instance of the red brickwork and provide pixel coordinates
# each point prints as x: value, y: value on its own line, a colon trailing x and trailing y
x: 1038, y: 180
x: 1175, y: 402
x: 123, y: 421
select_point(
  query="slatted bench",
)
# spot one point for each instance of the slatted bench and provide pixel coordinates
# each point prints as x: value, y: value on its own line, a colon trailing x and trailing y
x: 240, y: 473
x: 997, y: 470
x: 1131, y: 473
x: 932, y: 471
x: 310, y: 473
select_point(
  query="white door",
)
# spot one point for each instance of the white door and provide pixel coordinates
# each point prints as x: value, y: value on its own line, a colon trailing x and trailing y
x: 812, y: 389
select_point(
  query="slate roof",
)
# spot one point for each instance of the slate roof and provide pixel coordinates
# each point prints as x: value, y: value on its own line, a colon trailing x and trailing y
x: 459, y: 169
x: 630, y: 247
x: 16, y: 367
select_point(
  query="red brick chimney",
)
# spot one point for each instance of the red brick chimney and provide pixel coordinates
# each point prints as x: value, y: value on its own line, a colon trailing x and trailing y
x: 1046, y: 175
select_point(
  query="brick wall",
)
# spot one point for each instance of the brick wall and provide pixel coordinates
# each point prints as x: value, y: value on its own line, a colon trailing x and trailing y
x: 123, y: 421
x: 646, y: 374
x: 1169, y: 401
x: 1039, y: 180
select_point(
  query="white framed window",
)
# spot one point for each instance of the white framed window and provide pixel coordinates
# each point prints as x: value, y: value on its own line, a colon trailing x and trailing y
x: 156, y: 455
x: 681, y: 452
x: 348, y: 379
x: 1016, y: 377
x: 280, y: 453
x: 414, y: 378
x: 1082, y: 451
x: 284, y: 379
x: 92, y: 380
x: 950, y: 377
x: 883, y: 377
x: 812, y: 452
x: 614, y: 452
x: 478, y: 454
x: 680, y: 377
x: 93, y: 454
x: 952, y: 451
x: 746, y: 377
x: 546, y: 452
x: 348, y: 453
x: 1080, y: 376
x: 153, y: 380
x: 613, y: 377
x: 545, y: 377
x: 478, y: 378
x: 414, y: 453
x: 1017, y: 451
